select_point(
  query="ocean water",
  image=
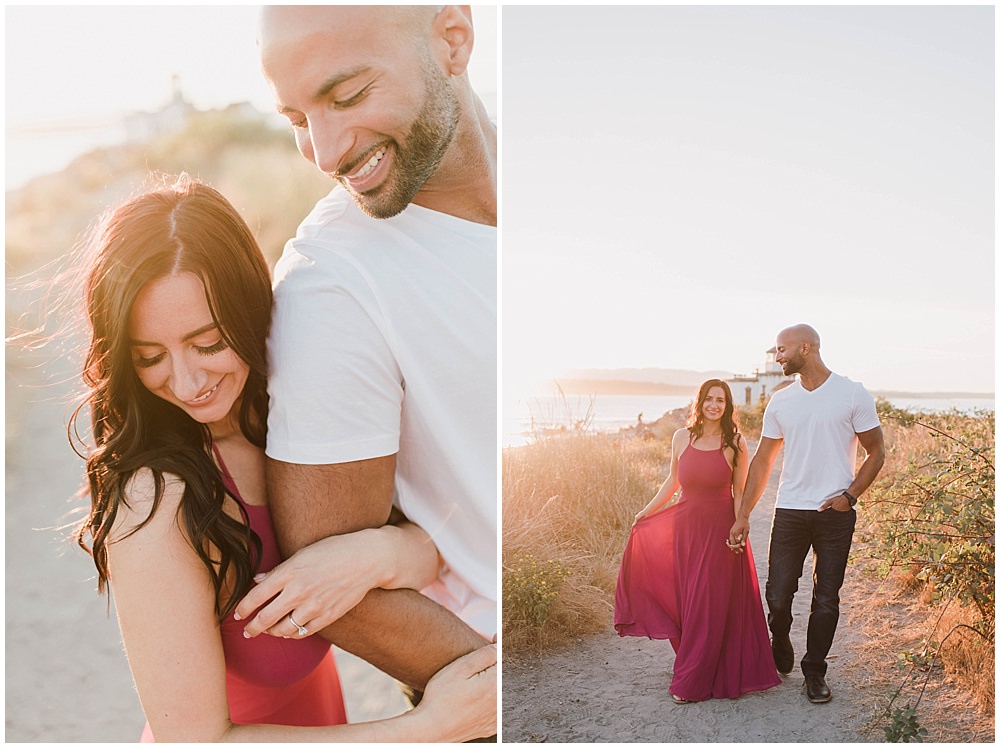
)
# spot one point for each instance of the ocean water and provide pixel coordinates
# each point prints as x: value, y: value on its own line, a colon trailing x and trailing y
x: 608, y: 413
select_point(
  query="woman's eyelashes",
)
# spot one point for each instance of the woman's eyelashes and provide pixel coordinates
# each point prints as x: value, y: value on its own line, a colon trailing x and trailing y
x: 145, y: 363
x: 209, y: 350
x: 205, y: 350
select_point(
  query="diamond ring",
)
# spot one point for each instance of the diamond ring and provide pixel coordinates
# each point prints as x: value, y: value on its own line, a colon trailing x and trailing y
x: 302, y: 630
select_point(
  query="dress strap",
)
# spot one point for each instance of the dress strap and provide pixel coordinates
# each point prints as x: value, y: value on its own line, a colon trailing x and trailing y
x: 227, y: 478
x: 222, y: 463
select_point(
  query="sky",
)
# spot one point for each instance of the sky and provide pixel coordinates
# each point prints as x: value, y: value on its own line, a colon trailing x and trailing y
x: 680, y: 183
x: 72, y: 71
x: 677, y: 183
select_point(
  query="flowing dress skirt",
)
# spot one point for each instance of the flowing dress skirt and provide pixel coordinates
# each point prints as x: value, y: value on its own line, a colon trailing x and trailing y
x: 679, y: 581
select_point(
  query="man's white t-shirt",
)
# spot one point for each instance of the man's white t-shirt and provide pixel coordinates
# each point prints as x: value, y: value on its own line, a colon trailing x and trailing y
x: 384, y: 341
x: 820, y: 431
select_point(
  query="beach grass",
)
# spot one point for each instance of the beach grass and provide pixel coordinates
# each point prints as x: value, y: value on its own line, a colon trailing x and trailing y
x: 568, y: 504
x: 569, y: 500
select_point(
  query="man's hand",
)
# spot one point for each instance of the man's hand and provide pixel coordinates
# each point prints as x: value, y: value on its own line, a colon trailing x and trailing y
x: 738, y: 535
x: 838, y: 503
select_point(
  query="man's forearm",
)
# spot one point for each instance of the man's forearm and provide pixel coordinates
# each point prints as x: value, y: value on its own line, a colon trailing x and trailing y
x: 867, y: 473
x: 404, y: 634
x: 754, y: 488
x: 758, y: 475
x: 873, y: 442
x: 399, y: 631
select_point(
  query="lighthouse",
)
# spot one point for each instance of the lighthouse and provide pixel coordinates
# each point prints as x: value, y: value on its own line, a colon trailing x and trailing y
x: 757, y: 387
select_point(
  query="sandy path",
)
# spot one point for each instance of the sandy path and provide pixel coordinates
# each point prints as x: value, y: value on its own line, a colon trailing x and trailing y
x: 67, y: 679
x: 608, y: 688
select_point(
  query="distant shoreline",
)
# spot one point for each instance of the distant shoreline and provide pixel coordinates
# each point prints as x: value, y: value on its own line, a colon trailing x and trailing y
x: 626, y: 387
x: 935, y: 395
x: 621, y: 387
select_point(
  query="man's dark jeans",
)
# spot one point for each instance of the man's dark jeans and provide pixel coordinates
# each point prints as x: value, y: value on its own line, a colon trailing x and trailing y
x: 829, y: 534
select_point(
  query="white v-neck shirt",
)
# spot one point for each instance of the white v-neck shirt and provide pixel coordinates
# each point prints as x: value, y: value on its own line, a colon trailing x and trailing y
x: 384, y: 341
x: 820, y: 430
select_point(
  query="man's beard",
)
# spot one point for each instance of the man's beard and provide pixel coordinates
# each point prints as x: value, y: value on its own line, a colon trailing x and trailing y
x: 792, y: 366
x: 419, y: 155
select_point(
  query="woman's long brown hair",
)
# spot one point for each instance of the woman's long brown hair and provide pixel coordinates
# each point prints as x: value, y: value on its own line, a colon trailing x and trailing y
x: 730, y: 421
x: 186, y: 227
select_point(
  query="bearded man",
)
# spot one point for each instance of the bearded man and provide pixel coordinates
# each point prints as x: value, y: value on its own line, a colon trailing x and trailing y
x: 820, y: 419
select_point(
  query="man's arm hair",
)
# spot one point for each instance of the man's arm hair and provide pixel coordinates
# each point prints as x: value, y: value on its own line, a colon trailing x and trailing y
x: 760, y: 471
x: 401, y: 632
x: 873, y: 442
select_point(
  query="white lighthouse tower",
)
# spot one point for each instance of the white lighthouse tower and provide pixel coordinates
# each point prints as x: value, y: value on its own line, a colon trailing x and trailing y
x: 757, y: 387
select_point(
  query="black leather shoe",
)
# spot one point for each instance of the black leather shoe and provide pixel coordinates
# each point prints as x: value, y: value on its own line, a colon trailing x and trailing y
x: 784, y: 655
x: 816, y: 689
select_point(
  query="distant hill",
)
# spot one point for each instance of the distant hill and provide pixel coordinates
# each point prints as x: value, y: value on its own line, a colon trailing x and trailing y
x: 677, y: 377
x: 256, y: 166
x: 624, y: 387
x: 654, y: 381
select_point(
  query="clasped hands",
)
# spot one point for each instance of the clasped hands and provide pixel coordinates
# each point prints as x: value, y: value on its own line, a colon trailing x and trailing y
x: 737, y: 540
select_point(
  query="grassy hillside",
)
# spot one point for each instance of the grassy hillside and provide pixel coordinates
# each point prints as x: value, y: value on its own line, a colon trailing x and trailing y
x: 253, y: 164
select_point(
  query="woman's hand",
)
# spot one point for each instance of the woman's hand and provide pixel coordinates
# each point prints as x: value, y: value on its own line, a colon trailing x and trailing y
x: 643, y: 513
x: 325, y: 580
x: 738, y: 535
x: 461, y: 699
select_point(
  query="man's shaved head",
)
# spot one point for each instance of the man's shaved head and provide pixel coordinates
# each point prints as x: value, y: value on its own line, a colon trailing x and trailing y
x: 797, y: 334
x: 403, y: 21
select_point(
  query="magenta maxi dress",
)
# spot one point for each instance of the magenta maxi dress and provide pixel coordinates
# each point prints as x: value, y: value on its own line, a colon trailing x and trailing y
x: 270, y: 680
x: 679, y: 581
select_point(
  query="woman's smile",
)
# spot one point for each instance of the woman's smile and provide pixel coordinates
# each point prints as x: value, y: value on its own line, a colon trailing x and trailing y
x: 179, y: 352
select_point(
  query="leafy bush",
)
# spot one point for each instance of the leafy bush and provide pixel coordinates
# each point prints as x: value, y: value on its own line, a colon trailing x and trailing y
x: 934, y: 515
x: 530, y: 587
x: 751, y: 420
x: 929, y: 523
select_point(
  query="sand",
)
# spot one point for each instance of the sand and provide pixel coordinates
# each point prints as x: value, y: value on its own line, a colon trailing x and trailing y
x: 607, y: 688
x: 67, y: 678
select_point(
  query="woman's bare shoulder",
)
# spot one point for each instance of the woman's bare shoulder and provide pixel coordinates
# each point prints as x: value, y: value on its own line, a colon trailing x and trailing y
x: 140, y: 510
x: 680, y: 441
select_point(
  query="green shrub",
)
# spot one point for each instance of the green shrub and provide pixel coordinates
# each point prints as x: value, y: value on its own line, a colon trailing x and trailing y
x: 929, y: 522
x: 751, y: 419
x: 530, y: 587
x: 934, y: 516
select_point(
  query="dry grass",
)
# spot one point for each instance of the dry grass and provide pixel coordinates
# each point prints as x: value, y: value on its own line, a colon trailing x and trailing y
x: 572, y: 499
x: 957, y: 703
x: 954, y: 690
x: 258, y: 169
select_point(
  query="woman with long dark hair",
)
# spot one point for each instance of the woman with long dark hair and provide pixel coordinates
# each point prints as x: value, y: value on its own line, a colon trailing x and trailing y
x: 680, y: 580
x: 178, y: 298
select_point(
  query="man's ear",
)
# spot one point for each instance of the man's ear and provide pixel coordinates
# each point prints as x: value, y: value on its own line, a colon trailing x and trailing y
x: 453, y: 29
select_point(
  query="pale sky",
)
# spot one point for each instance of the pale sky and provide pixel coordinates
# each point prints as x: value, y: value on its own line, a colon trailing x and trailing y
x: 680, y: 183
x: 71, y: 70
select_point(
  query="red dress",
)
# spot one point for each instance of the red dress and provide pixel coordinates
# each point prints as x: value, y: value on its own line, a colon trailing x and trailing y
x: 270, y: 680
x: 679, y: 581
